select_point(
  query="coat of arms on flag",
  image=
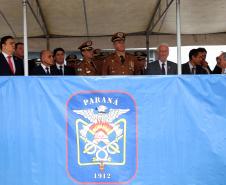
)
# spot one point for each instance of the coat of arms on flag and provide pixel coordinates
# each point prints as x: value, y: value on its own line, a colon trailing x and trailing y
x: 101, y: 137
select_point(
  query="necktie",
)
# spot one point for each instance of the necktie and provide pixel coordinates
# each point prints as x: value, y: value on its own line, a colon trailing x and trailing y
x: 47, y: 71
x: 11, y: 64
x: 163, y: 69
x: 122, y: 59
x: 61, y: 70
x: 193, y: 70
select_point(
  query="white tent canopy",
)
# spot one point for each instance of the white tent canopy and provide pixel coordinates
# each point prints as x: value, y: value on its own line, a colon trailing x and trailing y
x: 68, y: 23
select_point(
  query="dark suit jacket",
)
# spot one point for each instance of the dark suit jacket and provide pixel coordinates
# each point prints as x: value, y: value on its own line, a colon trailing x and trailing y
x: 210, y: 71
x: 217, y: 70
x: 154, y: 68
x: 186, y: 69
x: 39, y: 71
x: 5, y: 69
x: 67, y: 70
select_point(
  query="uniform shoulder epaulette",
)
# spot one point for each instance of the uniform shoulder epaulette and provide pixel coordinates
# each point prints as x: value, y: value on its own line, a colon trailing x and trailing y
x: 111, y: 55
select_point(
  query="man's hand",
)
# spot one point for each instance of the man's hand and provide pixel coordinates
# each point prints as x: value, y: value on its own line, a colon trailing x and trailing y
x: 204, y: 63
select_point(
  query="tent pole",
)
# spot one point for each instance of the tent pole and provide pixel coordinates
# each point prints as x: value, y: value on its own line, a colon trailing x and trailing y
x: 147, y: 47
x: 25, y: 38
x: 178, y: 38
x: 47, y: 43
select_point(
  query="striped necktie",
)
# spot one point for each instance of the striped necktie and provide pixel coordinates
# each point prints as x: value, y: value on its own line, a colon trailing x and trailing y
x: 10, y: 62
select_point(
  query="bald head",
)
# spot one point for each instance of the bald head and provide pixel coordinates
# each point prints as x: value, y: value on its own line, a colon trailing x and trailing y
x: 163, y: 52
x: 46, y: 57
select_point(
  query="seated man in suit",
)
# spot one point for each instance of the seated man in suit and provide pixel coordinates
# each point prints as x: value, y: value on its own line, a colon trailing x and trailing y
x: 162, y: 66
x: 9, y: 65
x: 45, y: 67
x: 193, y: 66
x: 59, y: 55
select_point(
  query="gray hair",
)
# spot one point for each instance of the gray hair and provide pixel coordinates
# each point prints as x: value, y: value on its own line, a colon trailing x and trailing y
x: 162, y: 44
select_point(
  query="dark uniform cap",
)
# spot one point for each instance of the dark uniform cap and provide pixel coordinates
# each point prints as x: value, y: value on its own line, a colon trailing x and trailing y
x: 139, y: 54
x: 118, y: 36
x: 71, y: 58
x: 97, y: 52
x: 86, y: 46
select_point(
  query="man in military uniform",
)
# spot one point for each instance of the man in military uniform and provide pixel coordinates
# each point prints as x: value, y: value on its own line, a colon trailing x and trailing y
x: 142, y: 61
x: 87, y: 67
x: 120, y: 62
x: 71, y: 61
x: 98, y: 59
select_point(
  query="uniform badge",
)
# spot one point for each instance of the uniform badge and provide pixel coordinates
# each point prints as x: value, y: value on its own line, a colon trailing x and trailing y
x: 120, y: 34
x: 89, y: 43
x: 101, y: 137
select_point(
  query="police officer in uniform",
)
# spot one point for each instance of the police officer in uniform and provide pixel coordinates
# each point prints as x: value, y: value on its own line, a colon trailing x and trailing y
x: 87, y: 67
x: 120, y: 62
x: 71, y: 61
x: 98, y: 59
x: 142, y: 61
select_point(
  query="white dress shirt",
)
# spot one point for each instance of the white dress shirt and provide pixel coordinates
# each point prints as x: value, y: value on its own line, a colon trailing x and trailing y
x: 191, y: 67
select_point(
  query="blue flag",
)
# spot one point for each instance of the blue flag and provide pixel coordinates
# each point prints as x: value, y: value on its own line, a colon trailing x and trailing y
x: 152, y: 130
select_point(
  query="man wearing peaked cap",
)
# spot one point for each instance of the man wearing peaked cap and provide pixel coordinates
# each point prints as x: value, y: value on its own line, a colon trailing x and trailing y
x: 72, y: 61
x: 71, y: 57
x: 86, y: 46
x: 98, y: 59
x: 142, y: 61
x: 120, y: 62
x: 97, y: 52
x: 87, y: 67
x: 118, y: 36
